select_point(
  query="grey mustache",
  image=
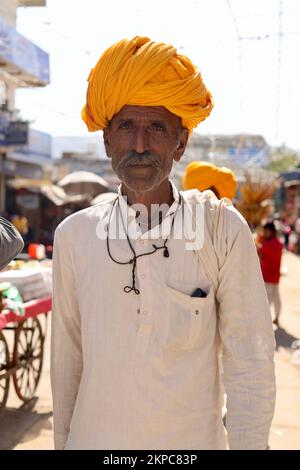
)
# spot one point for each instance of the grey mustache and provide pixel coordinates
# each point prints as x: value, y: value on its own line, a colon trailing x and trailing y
x: 134, y: 159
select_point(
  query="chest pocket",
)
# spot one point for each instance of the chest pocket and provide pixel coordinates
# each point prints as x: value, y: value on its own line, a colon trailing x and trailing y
x: 187, y: 319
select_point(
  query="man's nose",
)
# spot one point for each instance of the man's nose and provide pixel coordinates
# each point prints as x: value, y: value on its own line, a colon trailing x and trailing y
x: 141, y: 141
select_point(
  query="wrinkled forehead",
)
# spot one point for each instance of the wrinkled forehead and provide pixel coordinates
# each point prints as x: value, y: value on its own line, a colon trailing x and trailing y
x: 147, y: 113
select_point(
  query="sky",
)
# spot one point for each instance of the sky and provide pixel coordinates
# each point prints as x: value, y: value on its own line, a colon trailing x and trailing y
x: 252, y: 70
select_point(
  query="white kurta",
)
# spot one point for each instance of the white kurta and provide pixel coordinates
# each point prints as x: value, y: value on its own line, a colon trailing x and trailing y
x: 141, y: 371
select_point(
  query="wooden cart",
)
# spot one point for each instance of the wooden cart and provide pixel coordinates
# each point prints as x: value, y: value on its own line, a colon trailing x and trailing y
x: 22, y: 349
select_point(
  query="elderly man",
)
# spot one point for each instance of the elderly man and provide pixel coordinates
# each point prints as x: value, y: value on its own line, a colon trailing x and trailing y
x: 139, y: 318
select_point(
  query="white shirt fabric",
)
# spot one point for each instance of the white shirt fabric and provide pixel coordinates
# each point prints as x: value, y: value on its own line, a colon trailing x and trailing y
x: 141, y: 371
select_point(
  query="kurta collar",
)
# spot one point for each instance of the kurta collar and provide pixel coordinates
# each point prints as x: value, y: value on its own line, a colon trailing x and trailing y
x: 158, y: 231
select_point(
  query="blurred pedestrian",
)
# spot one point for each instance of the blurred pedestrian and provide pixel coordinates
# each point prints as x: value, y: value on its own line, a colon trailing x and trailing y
x: 297, y: 230
x: 287, y: 230
x: 270, y: 253
x: 20, y: 221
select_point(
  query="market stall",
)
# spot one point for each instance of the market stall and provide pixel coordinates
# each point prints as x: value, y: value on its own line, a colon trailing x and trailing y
x: 23, y: 326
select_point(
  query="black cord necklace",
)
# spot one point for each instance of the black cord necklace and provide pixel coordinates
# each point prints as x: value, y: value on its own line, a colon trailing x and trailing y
x: 135, y: 257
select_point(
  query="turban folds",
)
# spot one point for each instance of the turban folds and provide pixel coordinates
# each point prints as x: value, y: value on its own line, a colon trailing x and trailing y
x: 141, y: 72
x: 204, y: 175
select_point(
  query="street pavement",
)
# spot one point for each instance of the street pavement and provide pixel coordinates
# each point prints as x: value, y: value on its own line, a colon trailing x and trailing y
x: 24, y: 427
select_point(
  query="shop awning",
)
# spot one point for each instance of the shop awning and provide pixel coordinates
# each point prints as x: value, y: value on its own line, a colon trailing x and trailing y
x: 84, y: 182
x: 288, y: 184
x: 58, y: 196
x: 27, y: 183
x: 32, y: 3
x: 26, y: 64
x: 54, y: 193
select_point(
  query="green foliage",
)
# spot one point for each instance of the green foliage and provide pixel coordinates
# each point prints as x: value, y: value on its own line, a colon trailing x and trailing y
x: 283, y: 159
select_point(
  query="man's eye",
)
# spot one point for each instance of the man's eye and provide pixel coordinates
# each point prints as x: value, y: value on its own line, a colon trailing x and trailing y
x: 125, y: 125
x: 156, y: 126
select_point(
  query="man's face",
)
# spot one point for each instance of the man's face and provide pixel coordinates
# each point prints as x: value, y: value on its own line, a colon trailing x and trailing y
x: 142, y: 142
x: 268, y: 233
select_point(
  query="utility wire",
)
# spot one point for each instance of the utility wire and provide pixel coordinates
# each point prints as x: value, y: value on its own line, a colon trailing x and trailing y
x: 279, y: 61
x: 240, y: 59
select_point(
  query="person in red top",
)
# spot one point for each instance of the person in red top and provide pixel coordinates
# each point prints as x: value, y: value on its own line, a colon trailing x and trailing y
x: 270, y: 252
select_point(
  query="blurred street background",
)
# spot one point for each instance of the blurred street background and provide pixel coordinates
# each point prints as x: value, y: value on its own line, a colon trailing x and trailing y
x: 51, y: 167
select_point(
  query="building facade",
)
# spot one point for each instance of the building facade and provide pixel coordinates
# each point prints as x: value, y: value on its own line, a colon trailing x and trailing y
x: 237, y: 152
x: 22, y: 64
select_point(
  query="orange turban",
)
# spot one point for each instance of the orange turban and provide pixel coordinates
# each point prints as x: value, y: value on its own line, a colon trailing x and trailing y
x: 141, y: 72
x: 204, y: 175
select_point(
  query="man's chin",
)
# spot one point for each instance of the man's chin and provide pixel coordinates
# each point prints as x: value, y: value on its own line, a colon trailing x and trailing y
x: 140, y: 185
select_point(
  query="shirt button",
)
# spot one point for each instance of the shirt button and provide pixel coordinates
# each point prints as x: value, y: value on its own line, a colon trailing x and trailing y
x: 145, y: 312
x: 143, y: 276
x: 197, y: 312
x: 138, y: 311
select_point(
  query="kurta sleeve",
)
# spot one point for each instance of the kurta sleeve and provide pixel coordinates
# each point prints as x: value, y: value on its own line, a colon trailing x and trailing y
x: 246, y: 332
x: 11, y: 242
x: 66, y: 353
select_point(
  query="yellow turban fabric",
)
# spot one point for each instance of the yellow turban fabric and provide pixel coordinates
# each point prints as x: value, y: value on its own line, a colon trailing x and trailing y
x: 204, y: 175
x: 141, y: 72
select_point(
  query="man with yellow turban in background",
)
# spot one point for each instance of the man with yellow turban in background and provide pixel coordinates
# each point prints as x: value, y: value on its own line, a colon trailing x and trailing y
x: 205, y: 175
x: 141, y: 313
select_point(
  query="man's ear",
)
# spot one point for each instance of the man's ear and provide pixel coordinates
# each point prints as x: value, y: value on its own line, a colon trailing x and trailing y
x: 106, y: 140
x: 183, y: 140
